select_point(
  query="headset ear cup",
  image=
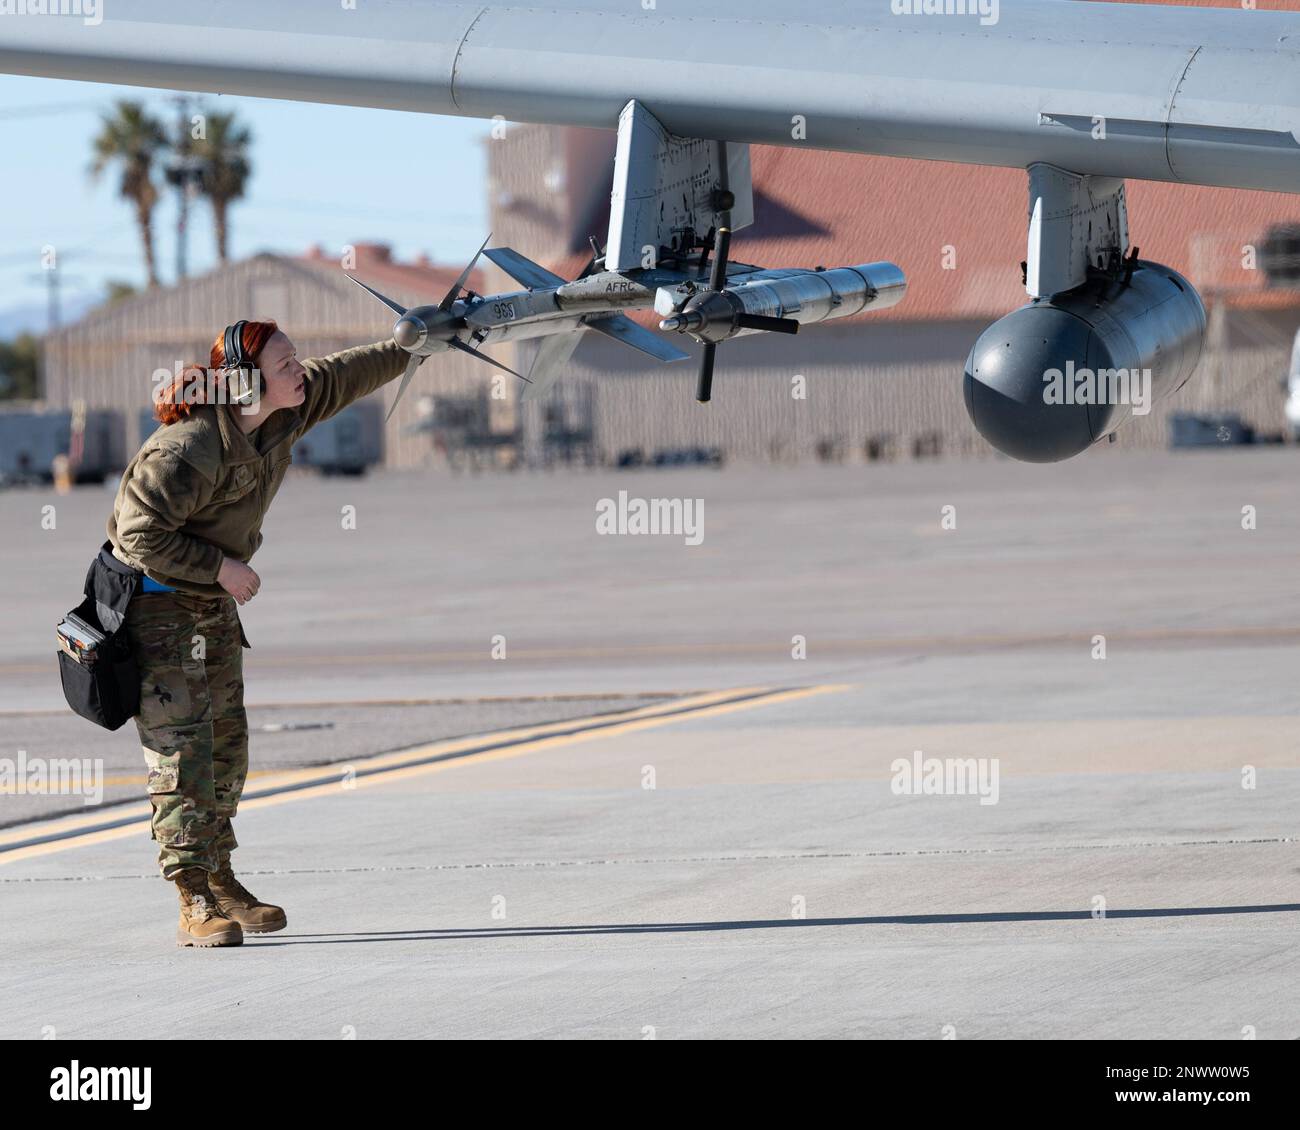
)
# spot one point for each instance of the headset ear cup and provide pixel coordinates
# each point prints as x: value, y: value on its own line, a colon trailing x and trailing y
x: 239, y: 379
x: 233, y: 346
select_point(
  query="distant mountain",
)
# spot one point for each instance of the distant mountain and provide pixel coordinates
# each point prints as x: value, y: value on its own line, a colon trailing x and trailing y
x: 33, y: 317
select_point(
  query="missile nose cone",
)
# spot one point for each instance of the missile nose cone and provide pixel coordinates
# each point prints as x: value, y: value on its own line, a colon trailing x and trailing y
x: 674, y: 322
x: 408, y: 332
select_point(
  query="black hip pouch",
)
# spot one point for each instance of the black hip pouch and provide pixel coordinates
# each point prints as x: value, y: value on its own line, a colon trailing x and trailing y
x: 101, y: 680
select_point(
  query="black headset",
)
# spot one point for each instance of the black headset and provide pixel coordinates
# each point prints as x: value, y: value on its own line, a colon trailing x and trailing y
x: 238, y: 366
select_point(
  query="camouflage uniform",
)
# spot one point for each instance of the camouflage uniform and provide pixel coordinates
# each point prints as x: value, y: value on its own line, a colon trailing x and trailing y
x: 195, y: 494
x: 192, y: 723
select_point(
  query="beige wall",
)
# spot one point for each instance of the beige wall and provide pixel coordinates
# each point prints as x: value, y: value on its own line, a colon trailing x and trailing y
x: 859, y: 384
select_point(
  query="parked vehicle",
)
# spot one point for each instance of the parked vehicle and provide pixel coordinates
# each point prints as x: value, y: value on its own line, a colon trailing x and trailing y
x: 33, y: 436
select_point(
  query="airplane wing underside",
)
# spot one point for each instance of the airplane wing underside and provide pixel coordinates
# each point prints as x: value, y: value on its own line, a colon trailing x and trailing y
x: 1196, y: 95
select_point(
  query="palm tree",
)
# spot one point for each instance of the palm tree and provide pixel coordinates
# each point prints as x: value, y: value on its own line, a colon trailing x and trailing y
x: 135, y: 139
x: 223, y: 152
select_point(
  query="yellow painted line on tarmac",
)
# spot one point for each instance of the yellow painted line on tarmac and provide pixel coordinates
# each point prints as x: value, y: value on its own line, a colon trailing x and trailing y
x: 289, y: 777
x: 138, y: 778
x: 64, y: 833
x: 400, y: 773
x: 475, y: 700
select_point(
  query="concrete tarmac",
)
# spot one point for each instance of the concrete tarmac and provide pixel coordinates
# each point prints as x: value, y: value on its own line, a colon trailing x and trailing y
x: 650, y: 817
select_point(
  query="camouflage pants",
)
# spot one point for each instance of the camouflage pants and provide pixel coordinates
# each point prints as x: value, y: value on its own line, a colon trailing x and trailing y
x: 192, y: 723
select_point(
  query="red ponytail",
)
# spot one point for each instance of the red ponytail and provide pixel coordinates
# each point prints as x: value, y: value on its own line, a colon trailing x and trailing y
x: 172, y: 402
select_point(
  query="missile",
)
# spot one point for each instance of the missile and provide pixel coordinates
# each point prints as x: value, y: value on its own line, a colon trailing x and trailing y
x: 427, y: 329
x: 751, y: 301
x: 779, y: 302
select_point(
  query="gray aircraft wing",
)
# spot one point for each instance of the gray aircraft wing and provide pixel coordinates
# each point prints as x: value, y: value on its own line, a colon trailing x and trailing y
x: 1195, y: 95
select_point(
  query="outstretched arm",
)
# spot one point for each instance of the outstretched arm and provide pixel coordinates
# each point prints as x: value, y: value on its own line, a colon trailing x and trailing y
x: 335, y: 381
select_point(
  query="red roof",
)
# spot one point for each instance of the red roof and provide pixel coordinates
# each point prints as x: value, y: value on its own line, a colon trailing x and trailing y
x: 422, y: 279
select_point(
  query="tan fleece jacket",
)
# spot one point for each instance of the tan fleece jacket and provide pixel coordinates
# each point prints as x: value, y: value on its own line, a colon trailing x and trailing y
x: 197, y: 490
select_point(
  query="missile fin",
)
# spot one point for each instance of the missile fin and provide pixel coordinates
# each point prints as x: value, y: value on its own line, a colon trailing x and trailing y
x: 454, y: 292
x: 552, y: 355
x: 521, y: 269
x: 411, y: 366
x: 622, y: 328
x: 461, y: 347
x: 393, y: 306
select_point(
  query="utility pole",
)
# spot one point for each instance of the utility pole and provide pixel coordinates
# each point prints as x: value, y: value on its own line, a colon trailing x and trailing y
x: 184, y: 171
x: 53, y: 278
x: 52, y: 292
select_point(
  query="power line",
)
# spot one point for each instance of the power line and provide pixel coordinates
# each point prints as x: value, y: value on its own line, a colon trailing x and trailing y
x: 26, y: 258
x: 38, y: 110
x: 77, y: 245
x: 254, y: 203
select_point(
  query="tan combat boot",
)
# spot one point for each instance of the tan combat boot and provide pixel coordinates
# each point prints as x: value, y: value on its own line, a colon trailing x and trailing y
x: 202, y: 921
x: 236, y: 902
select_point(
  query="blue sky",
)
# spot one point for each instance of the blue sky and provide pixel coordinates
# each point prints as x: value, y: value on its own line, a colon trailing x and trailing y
x: 321, y: 174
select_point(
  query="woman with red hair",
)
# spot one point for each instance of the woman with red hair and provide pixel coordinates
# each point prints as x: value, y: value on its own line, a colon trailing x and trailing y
x: 187, y: 519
